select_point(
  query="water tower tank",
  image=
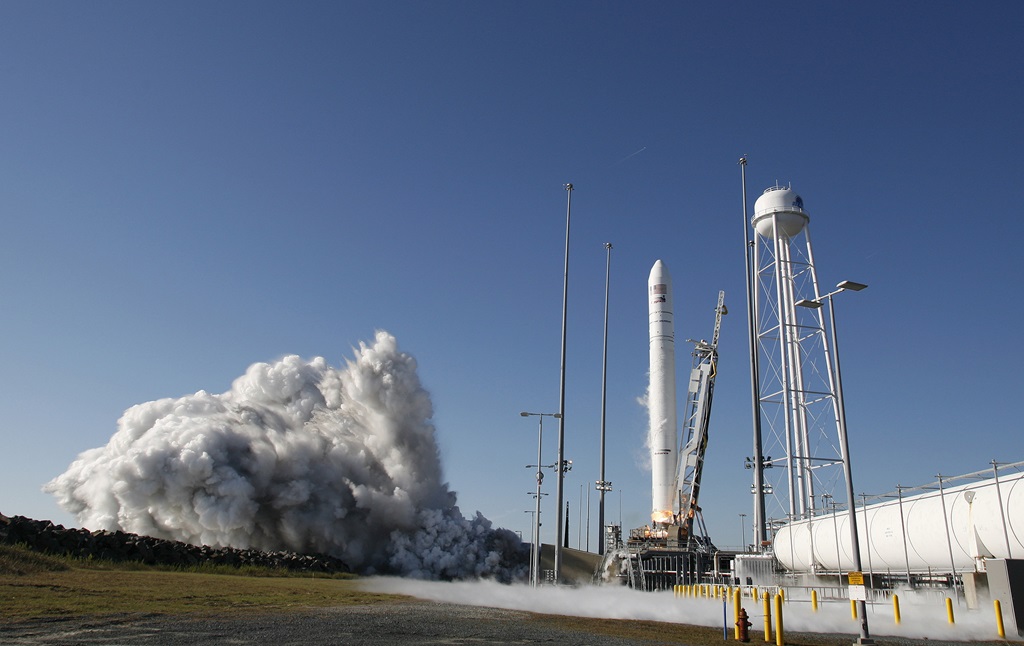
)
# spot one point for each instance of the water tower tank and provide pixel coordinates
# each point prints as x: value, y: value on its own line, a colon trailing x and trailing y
x: 787, y: 208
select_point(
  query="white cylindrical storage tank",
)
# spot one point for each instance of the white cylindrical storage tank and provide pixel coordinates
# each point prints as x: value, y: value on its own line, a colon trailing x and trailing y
x: 982, y: 523
x: 779, y: 207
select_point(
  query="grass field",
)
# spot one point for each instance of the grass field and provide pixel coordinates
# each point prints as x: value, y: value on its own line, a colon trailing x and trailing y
x: 39, y: 586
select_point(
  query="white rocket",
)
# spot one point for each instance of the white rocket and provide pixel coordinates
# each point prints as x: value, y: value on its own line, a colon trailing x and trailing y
x: 661, y: 396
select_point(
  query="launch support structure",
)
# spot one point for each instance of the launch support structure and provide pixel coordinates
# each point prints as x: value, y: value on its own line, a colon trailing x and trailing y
x: 668, y: 552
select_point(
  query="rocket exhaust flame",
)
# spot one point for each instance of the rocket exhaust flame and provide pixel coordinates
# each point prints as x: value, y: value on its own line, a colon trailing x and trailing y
x: 663, y: 517
x: 296, y: 455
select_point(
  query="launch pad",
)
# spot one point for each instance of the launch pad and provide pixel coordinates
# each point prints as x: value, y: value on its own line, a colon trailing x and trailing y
x: 662, y: 556
x: 674, y: 549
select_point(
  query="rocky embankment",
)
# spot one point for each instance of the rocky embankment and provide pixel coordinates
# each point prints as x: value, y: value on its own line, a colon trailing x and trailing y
x: 44, y: 536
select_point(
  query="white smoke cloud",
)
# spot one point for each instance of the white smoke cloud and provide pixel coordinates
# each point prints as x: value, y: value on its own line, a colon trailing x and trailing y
x: 297, y: 456
x: 922, y: 617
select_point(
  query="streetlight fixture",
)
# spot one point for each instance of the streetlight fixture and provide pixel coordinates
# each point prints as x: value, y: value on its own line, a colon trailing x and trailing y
x: 844, y: 444
x: 535, y: 552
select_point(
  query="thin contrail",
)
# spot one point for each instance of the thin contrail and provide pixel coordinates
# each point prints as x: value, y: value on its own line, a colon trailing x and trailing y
x: 629, y: 156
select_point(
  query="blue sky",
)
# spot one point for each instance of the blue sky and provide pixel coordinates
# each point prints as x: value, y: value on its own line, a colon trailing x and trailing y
x: 191, y: 187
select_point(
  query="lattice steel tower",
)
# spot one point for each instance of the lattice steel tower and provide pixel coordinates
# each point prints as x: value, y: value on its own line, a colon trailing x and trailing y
x: 799, y: 434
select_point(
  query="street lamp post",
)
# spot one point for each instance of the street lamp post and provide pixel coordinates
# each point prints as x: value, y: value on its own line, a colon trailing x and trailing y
x: 602, y: 485
x: 535, y: 552
x: 559, y: 482
x: 844, y: 444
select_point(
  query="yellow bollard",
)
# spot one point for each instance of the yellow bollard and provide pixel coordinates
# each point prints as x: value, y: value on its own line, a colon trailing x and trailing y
x: 853, y: 609
x: 753, y: 593
x: 767, y: 619
x: 736, y: 596
x: 814, y: 600
x: 782, y: 593
x: 780, y: 639
x: 949, y: 610
x: 896, y: 608
x: 999, y: 619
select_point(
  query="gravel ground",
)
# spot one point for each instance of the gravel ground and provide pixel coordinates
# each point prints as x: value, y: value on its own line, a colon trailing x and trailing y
x: 406, y: 623
x: 414, y: 622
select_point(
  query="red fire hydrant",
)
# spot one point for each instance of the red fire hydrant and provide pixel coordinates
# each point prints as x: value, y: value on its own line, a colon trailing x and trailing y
x: 744, y: 626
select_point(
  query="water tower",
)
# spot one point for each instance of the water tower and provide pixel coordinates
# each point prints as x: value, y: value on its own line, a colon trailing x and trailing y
x: 799, y: 433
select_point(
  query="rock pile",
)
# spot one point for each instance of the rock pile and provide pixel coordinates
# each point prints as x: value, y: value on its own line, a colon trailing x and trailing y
x: 44, y: 536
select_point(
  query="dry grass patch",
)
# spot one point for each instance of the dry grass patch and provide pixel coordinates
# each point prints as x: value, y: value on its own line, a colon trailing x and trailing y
x: 37, y: 586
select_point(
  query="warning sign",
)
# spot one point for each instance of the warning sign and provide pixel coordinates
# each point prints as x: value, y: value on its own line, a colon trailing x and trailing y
x: 858, y: 593
x: 856, y: 578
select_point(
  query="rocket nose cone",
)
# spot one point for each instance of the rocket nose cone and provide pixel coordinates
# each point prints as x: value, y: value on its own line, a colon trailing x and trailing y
x: 660, y: 272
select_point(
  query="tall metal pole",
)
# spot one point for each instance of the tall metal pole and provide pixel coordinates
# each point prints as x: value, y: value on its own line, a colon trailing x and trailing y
x: 844, y: 445
x: 588, y: 517
x: 903, y: 530
x: 536, y: 516
x: 760, y: 531
x: 602, y: 485
x: 949, y: 541
x: 579, y: 525
x: 560, y: 464
x: 533, y: 546
x: 867, y: 534
x: 535, y: 554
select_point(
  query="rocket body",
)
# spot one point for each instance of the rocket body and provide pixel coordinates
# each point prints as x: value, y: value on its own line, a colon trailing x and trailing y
x: 661, y: 396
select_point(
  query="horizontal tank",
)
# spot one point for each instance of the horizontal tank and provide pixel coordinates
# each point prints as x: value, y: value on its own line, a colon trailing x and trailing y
x: 982, y: 524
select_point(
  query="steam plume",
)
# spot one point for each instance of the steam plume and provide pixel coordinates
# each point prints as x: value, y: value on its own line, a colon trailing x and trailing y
x: 297, y: 456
